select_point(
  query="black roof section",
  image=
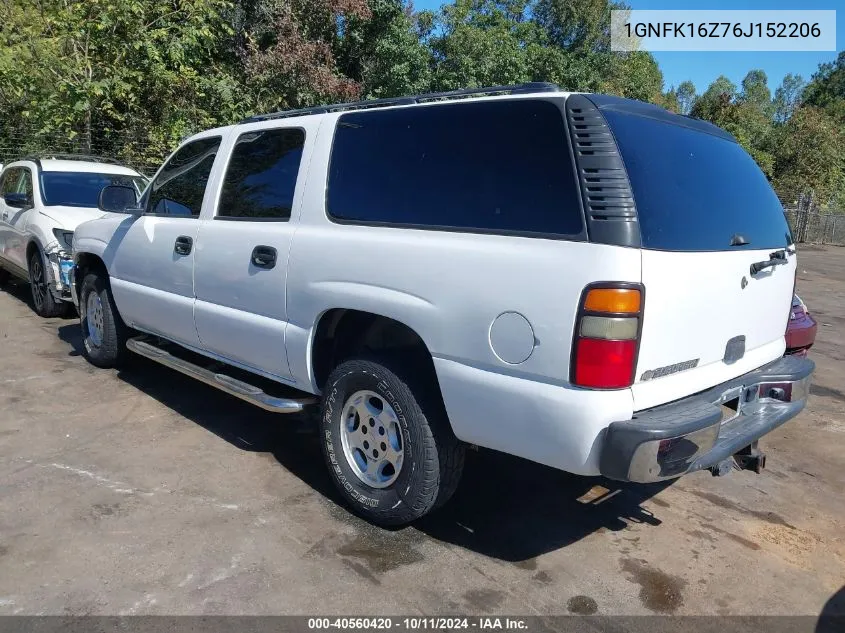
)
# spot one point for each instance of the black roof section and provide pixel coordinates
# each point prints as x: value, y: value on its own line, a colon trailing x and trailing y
x: 526, y: 88
x: 630, y: 106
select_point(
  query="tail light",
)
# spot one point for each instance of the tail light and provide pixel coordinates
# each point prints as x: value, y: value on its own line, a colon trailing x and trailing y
x: 607, y: 336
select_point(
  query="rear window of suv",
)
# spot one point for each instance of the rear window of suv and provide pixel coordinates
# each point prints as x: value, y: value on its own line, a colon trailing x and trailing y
x: 498, y: 166
x: 694, y: 191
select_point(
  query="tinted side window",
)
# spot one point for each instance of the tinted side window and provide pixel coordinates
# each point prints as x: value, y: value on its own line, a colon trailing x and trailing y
x: 261, y: 177
x: 25, y: 184
x: 10, y: 181
x: 500, y: 166
x: 179, y: 187
x: 694, y: 191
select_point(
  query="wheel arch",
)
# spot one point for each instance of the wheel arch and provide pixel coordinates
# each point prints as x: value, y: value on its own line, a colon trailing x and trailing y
x: 340, y: 333
x: 85, y: 263
x: 35, y: 245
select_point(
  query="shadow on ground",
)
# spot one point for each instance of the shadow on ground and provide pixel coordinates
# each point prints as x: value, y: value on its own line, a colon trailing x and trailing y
x: 20, y: 291
x: 832, y: 617
x: 507, y: 508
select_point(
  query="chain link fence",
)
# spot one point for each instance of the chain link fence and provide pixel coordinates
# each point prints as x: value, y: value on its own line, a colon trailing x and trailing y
x: 131, y: 147
x: 809, y: 224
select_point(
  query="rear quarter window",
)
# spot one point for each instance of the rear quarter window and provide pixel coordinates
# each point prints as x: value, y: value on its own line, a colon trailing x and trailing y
x: 500, y: 166
x: 694, y: 191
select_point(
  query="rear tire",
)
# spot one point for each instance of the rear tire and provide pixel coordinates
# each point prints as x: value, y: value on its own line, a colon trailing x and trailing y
x: 363, y: 461
x: 104, y: 333
x: 42, y: 297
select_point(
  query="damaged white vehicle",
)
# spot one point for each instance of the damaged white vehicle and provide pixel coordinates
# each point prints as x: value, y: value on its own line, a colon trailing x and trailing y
x: 42, y: 201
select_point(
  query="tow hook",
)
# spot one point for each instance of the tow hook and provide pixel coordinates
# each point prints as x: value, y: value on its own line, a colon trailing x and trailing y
x: 751, y: 458
x: 748, y: 458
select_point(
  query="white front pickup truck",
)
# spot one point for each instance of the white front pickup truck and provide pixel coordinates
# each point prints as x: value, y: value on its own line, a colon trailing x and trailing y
x: 584, y: 281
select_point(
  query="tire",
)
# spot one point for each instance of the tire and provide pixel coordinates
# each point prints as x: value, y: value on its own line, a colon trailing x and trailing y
x: 103, y: 332
x: 4, y: 276
x: 432, y: 457
x: 42, y: 299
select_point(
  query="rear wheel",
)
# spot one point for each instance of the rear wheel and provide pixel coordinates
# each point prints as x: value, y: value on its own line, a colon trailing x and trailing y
x: 387, y: 442
x: 103, y: 332
x: 42, y: 298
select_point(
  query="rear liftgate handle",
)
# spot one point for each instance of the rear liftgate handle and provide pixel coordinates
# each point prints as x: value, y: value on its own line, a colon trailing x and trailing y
x: 264, y: 257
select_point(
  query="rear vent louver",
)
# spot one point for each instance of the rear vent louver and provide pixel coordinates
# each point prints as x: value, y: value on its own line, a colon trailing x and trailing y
x: 606, y: 191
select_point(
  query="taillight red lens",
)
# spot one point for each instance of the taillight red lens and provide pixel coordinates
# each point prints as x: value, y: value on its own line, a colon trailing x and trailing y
x: 606, y: 338
x: 604, y: 364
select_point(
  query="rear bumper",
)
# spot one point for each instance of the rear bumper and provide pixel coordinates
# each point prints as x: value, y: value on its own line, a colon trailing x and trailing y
x: 702, y: 430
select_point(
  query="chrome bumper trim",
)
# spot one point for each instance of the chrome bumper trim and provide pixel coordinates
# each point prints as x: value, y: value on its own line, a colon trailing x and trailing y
x: 702, y: 430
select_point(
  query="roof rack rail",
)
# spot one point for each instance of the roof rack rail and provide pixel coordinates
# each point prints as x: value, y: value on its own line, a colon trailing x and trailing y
x: 525, y: 88
x: 61, y: 156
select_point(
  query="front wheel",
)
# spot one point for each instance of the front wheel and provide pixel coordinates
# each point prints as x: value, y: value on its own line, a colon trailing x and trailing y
x: 387, y: 442
x: 42, y: 297
x: 103, y: 332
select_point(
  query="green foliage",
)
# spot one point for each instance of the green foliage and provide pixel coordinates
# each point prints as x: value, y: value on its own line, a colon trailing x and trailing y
x: 788, y: 96
x: 827, y: 88
x: 686, y: 96
x: 811, y: 157
x: 130, y: 78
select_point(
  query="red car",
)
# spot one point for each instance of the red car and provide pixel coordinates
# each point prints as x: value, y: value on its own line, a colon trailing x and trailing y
x: 801, y: 331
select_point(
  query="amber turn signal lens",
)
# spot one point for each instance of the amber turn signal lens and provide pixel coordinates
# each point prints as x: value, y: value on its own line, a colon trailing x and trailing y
x: 624, y: 300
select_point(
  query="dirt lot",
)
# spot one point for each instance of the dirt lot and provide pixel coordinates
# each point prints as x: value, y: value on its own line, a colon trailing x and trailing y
x: 141, y: 491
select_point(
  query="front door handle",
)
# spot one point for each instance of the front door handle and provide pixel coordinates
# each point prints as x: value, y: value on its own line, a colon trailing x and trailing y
x: 5, y: 215
x: 183, y: 245
x: 264, y: 257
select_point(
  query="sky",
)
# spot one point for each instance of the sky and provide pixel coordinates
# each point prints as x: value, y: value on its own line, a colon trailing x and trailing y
x: 703, y: 68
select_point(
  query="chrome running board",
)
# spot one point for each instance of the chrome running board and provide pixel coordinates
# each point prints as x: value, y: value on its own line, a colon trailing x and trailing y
x: 238, y: 388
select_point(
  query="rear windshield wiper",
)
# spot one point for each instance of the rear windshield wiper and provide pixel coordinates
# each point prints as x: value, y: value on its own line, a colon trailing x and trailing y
x: 739, y: 240
x: 775, y: 259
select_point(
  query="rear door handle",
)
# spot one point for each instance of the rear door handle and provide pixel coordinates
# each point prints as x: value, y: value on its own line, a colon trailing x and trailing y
x: 264, y: 257
x: 5, y: 215
x: 183, y: 245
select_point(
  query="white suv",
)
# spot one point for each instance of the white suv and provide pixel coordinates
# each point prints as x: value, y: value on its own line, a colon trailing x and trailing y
x: 588, y: 282
x: 42, y: 200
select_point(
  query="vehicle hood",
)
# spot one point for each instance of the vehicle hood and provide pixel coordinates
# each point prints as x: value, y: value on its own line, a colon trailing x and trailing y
x: 70, y: 217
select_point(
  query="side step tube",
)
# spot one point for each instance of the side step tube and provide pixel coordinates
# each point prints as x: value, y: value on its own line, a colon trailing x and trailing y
x: 233, y: 386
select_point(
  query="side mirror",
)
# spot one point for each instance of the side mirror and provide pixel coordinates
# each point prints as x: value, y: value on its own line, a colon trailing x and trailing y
x: 17, y: 200
x: 117, y: 199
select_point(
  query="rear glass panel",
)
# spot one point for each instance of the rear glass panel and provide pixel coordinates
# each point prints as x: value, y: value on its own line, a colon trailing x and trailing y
x: 694, y: 191
x: 499, y: 166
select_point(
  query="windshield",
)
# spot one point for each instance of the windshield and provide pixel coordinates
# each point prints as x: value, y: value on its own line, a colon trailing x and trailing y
x: 80, y: 189
x: 695, y: 191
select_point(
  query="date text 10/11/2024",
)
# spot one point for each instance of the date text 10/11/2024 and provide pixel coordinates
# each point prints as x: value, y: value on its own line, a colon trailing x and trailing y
x: 480, y: 623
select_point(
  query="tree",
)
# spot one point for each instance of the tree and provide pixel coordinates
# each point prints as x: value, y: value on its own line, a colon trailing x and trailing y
x: 290, y: 52
x: 577, y: 26
x: 827, y: 88
x: 483, y: 43
x: 706, y: 106
x: 788, y: 96
x: 755, y: 91
x: 811, y: 156
x: 686, y: 96
x: 94, y: 69
x: 670, y: 100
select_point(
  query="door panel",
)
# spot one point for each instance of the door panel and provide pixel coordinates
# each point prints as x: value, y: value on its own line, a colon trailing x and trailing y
x: 241, y: 262
x: 152, y: 256
x: 240, y: 309
x: 13, y: 238
x: 152, y: 283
